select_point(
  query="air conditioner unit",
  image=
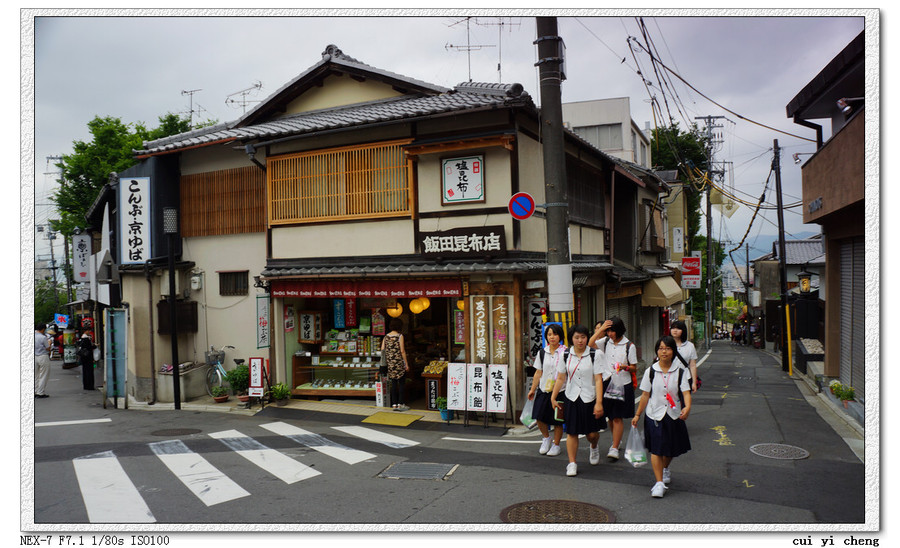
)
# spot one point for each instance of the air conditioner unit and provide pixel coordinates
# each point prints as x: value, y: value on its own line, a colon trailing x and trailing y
x: 164, y: 284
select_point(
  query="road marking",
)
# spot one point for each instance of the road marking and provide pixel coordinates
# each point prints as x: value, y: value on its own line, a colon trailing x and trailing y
x: 274, y: 462
x: 450, y: 438
x: 108, y: 494
x: 203, y: 479
x: 319, y: 443
x: 747, y: 483
x: 377, y: 436
x: 723, y: 438
x: 68, y: 423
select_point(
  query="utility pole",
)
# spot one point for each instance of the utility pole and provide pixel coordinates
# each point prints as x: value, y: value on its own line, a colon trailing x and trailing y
x: 559, y: 265
x: 782, y: 263
x: 747, y: 289
x: 709, y: 240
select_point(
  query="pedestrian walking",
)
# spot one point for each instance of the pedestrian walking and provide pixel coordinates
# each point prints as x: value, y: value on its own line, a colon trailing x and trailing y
x: 546, y: 365
x: 41, y: 360
x: 582, y: 404
x: 620, y: 362
x: 394, y: 350
x: 85, y: 355
x: 664, y: 384
x: 687, y: 352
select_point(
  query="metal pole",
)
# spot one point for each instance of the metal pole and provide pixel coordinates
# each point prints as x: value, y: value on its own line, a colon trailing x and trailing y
x: 170, y: 227
x: 782, y: 265
x: 559, y: 267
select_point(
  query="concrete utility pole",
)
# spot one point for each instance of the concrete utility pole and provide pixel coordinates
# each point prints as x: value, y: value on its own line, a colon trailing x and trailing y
x: 709, y: 240
x: 782, y: 263
x: 559, y: 264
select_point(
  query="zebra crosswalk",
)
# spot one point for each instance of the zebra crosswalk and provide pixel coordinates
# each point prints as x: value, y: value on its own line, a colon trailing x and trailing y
x: 110, y: 496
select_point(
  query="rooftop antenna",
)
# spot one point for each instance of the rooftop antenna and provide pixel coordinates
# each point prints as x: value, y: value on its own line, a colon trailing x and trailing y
x: 468, y: 48
x: 190, y: 93
x: 499, y: 24
x: 244, y: 93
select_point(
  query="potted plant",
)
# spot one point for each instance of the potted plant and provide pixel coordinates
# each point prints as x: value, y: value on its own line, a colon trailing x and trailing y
x: 441, y: 403
x: 239, y: 379
x: 847, y: 394
x: 220, y: 394
x: 280, y: 393
x: 834, y: 386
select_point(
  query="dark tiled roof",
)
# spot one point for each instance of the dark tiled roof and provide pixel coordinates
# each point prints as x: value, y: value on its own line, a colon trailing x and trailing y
x: 798, y: 252
x: 422, y: 268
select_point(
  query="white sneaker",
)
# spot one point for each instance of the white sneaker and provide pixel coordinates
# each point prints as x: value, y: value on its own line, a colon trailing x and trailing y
x: 571, y: 469
x: 545, y: 446
x: 555, y: 450
x: 659, y: 489
x: 613, y: 454
x: 667, y: 476
x: 595, y: 455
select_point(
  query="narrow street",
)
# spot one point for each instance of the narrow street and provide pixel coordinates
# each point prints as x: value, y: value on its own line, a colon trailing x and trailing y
x: 305, y: 466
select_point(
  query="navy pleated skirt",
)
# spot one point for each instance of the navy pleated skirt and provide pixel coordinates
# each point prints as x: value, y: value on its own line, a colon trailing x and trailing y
x: 667, y: 437
x: 542, y: 410
x: 580, y: 417
x: 618, y: 409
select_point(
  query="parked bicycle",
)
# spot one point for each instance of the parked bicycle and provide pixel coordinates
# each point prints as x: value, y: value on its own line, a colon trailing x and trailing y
x: 217, y: 376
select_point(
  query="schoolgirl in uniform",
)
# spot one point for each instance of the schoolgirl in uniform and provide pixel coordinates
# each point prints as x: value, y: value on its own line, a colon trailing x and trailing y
x: 546, y: 365
x: 665, y: 432
x: 582, y: 406
x: 686, y: 350
x: 621, y: 360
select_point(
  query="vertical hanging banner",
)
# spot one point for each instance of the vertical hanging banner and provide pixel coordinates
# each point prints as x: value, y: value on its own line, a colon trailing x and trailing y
x: 262, y: 321
x: 339, y: 318
x: 350, y: 312
x: 497, y: 388
x: 481, y: 341
x: 134, y: 220
x: 289, y: 318
x: 534, y: 313
x: 81, y: 254
x: 456, y: 386
x: 476, y: 387
x: 499, y: 330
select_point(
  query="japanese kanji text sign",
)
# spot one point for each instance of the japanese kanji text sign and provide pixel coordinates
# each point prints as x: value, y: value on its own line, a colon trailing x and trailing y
x: 463, y: 180
x: 135, y: 233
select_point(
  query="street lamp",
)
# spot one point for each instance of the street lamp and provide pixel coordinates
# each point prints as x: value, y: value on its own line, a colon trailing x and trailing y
x: 170, y: 228
x: 805, y: 282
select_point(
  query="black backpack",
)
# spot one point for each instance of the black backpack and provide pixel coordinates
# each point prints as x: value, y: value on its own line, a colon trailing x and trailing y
x: 681, y: 371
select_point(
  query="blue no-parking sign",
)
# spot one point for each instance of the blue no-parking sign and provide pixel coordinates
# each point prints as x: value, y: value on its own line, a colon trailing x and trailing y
x: 521, y: 206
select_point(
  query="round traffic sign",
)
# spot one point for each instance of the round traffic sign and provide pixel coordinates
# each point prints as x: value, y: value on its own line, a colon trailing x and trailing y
x: 521, y: 206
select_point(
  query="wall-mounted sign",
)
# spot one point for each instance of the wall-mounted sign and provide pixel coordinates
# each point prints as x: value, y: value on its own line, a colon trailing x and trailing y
x: 135, y: 233
x: 690, y: 272
x: 478, y: 241
x: 462, y: 180
x: 81, y: 254
x: 262, y: 321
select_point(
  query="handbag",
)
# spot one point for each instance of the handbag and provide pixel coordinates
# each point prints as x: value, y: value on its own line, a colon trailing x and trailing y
x: 526, y: 417
x: 615, y: 390
x: 635, y: 452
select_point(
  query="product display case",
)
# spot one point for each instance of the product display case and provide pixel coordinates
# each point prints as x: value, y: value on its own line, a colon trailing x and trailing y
x: 334, y: 374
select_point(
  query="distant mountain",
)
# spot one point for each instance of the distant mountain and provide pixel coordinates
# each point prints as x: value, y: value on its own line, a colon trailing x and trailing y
x: 762, y: 244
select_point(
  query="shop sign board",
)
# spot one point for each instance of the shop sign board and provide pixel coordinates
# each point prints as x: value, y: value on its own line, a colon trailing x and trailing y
x: 462, y: 180
x: 497, y: 388
x: 476, y: 387
x: 690, y: 272
x: 500, y: 330
x: 480, y: 330
x: 456, y: 386
x: 135, y: 234
x: 472, y: 242
x: 339, y: 318
x: 534, y: 320
x: 367, y: 288
x: 262, y: 321
x: 81, y: 255
x: 459, y: 327
x: 61, y: 320
x: 256, y: 377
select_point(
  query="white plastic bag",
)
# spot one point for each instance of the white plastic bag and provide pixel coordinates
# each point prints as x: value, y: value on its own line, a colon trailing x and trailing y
x: 615, y: 390
x: 526, y: 417
x: 635, y: 452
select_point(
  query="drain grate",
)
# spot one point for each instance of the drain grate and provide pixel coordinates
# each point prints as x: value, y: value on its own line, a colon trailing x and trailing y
x: 556, y: 511
x: 418, y: 470
x: 779, y: 451
x: 176, y: 432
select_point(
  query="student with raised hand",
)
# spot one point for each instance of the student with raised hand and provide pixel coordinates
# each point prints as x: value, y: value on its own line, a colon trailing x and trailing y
x: 666, y: 388
x: 546, y: 365
x: 620, y: 360
x: 687, y: 352
x: 581, y: 374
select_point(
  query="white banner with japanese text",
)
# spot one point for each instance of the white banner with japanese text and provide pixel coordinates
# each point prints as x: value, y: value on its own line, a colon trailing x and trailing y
x: 456, y: 386
x: 135, y: 234
x: 497, y: 388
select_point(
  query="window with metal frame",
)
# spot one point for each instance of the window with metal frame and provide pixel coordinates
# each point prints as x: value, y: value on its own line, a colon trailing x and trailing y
x: 365, y: 181
x: 236, y: 283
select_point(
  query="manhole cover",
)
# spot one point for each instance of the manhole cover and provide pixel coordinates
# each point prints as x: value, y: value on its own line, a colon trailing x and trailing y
x: 418, y: 470
x: 556, y: 511
x: 779, y: 451
x: 176, y: 432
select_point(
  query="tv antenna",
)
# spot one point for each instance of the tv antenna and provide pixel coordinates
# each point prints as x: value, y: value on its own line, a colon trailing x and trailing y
x: 230, y: 100
x: 468, y: 48
x: 190, y: 93
x: 499, y: 24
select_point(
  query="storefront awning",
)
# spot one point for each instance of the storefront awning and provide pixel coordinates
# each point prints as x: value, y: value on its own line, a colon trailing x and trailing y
x: 442, y: 287
x: 661, y: 292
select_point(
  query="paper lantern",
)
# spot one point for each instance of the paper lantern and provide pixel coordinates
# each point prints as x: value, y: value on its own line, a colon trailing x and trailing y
x: 461, y: 304
x: 426, y: 302
x: 395, y: 311
x: 416, y: 306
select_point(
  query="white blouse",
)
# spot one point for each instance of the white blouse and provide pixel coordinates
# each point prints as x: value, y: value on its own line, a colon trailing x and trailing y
x: 617, y: 354
x: 664, y: 383
x: 549, y: 367
x: 580, y: 371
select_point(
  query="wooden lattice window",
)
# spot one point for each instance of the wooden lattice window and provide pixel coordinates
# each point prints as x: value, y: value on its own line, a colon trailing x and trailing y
x: 352, y: 182
x: 229, y: 201
x: 234, y: 283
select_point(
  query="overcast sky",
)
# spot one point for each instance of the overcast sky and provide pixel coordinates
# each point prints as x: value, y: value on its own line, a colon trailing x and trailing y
x: 138, y: 68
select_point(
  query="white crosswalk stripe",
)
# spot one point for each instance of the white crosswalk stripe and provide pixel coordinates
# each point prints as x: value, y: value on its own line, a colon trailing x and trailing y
x: 203, y: 479
x: 274, y: 462
x: 109, y: 495
x: 377, y: 436
x: 319, y: 443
